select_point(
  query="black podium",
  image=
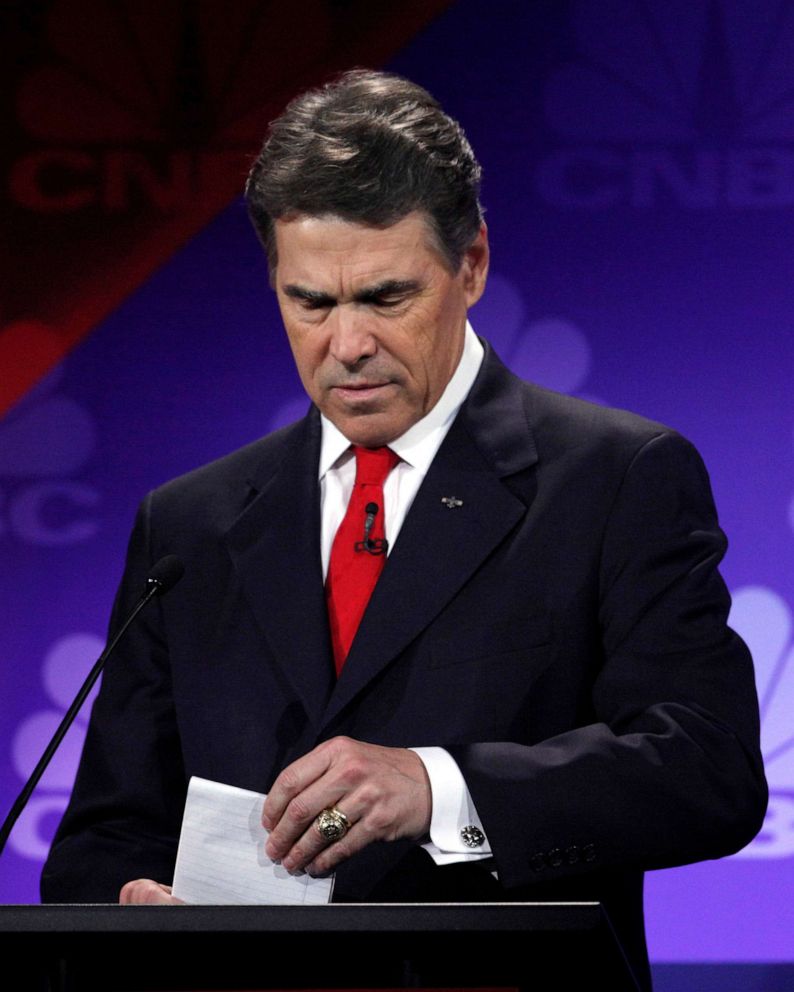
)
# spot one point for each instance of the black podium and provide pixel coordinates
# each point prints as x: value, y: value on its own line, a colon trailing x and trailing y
x: 355, y: 946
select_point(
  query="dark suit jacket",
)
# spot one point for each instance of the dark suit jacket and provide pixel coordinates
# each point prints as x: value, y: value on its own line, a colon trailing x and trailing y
x: 562, y: 634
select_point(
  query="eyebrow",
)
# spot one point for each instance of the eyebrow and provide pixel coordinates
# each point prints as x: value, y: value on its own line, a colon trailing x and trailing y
x: 370, y: 294
x: 309, y: 295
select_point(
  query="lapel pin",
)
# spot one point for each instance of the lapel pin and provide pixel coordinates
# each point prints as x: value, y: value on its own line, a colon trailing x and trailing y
x: 451, y: 502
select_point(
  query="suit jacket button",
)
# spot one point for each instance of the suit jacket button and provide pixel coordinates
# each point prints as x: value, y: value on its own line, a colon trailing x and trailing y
x: 472, y: 836
x: 537, y: 862
x: 589, y: 852
x: 572, y: 854
x: 554, y: 857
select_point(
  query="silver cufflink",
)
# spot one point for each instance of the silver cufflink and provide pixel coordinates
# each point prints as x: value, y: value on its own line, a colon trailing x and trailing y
x: 451, y: 502
x: 472, y: 836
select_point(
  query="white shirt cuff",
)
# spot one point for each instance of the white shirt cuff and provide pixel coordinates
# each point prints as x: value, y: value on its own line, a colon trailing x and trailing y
x: 454, y: 816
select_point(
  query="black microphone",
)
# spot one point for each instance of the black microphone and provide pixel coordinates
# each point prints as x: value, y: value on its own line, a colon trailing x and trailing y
x: 373, y: 545
x: 163, y: 576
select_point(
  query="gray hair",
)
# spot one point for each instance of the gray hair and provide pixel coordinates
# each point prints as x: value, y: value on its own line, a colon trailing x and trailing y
x: 370, y: 148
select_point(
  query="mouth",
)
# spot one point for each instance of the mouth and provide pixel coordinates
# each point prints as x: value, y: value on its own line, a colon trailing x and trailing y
x: 361, y: 392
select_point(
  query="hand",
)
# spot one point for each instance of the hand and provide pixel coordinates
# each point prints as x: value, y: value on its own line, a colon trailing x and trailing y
x: 145, y: 892
x: 383, y: 791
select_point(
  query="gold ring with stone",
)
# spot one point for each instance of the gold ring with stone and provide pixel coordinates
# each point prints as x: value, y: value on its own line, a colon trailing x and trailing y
x: 332, y: 824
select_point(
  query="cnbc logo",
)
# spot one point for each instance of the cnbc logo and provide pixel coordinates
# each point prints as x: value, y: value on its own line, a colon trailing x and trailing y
x: 690, y: 105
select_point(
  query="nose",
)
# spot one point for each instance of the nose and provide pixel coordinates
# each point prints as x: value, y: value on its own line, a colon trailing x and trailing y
x: 352, y: 340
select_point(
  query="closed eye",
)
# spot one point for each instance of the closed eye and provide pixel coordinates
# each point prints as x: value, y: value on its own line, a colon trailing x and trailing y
x: 389, y: 294
x: 385, y: 296
x: 318, y: 304
x: 384, y: 301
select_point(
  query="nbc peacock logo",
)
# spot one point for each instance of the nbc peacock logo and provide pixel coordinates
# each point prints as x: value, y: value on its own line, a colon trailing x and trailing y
x: 147, y: 107
x: 67, y: 661
x: 764, y: 620
x: 689, y: 103
x: 45, y: 441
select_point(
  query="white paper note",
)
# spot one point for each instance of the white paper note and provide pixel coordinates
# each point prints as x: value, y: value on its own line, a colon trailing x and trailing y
x: 221, y: 858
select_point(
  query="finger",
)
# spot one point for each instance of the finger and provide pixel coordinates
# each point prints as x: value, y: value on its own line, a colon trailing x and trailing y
x: 295, y: 839
x: 312, y: 842
x: 145, y: 892
x: 292, y: 781
x: 332, y: 855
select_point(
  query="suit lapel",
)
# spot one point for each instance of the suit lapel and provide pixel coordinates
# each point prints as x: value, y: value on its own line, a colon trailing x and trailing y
x: 274, y: 545
x: 441, y: 546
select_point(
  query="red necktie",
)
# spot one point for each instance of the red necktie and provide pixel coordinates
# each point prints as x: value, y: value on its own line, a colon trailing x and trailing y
x: 358, y: 553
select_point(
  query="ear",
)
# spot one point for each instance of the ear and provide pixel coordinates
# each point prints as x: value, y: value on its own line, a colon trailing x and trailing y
x: 474, y: 268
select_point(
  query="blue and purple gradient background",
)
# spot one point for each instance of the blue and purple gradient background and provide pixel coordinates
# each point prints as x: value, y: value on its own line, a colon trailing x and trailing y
x: 639, y: 185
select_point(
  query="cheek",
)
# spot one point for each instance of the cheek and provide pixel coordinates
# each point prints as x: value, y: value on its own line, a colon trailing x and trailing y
x: 433, y: 362
x: 306, y: 354
x: 309, y: 372
x: 418, y: 349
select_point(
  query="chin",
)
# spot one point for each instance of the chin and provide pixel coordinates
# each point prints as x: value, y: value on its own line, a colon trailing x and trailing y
x: 369, y: 430
x: 369, y: 437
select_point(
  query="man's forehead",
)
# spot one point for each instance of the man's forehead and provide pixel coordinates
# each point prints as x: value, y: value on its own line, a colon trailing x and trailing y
x: 305, y: 242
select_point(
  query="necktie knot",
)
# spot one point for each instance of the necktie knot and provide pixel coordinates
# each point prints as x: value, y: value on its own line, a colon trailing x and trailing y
x: 373, y: 465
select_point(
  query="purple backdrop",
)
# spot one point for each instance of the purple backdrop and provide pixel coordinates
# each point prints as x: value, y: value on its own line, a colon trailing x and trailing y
x: 639, y: 184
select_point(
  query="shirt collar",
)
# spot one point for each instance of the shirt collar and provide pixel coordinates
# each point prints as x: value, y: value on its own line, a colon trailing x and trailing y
x: 419, y: 444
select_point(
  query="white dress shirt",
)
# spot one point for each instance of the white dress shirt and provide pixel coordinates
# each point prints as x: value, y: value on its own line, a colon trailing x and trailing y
x: 453, y: 807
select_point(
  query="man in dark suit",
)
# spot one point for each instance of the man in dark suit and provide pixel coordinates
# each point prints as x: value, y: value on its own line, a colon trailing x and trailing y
x: 549, y: 627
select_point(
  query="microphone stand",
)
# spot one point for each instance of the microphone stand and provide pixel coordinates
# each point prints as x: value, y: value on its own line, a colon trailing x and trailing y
x: 165, y: 574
